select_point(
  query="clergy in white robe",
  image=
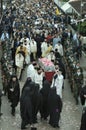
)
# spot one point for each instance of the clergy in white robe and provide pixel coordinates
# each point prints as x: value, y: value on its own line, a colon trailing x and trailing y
x: 25, y: 40
x: 44, y: 48
x: 58, y: 82
x: 27, y: 58
x: 38, y: 77
x: 59, y: 47
x: 33, y: 49
x: 31, y: 71
x: 19, y: 62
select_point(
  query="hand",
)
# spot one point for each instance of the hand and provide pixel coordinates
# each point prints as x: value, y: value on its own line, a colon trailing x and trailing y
x: 2, y: 92
x: 11, y: 89
x: 85, y: 96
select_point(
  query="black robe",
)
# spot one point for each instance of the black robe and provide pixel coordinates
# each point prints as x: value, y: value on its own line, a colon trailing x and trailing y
x: 27, y: 84
x: 62, y: 68
x: 14, y: 95
x: 38, y: 40
x: 36, y: 99
x: 45, y: 92
x: 82, y: 93
x: 83, y: 121
x: 55, y: 107
x: 26, y: 107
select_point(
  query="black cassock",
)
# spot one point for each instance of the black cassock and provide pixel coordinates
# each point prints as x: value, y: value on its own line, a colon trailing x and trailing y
x: 26, y: 108
x: 55, y: 107
x: 45, y: 92
x: 83, y: 121
x: 28, y: 83
x: 36, y: 99
x: 82, y: 93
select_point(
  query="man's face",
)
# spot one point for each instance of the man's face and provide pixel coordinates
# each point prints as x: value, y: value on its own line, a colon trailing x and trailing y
x: 14, y: 79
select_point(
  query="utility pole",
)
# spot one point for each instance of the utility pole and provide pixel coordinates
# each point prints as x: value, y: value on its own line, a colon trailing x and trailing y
x: 81, y: 7
x: 1, y: 2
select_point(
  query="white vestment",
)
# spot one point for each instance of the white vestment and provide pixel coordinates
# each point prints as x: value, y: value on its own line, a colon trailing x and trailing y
x: 38, y: 78
x: 31, y: 72
x: 58, y: 83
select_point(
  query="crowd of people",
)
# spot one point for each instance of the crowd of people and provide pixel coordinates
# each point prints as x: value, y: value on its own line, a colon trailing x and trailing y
x: 31, y: 30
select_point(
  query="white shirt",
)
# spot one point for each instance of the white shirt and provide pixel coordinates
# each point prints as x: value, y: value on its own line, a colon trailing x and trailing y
x: 38, y: 78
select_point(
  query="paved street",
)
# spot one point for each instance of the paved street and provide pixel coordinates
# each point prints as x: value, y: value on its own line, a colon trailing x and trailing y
x: 70, y: 117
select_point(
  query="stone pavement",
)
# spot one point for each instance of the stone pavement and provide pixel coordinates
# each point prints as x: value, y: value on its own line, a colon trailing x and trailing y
x: 70, y: 117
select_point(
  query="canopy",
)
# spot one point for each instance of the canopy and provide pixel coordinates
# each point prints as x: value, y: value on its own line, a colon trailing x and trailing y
x: 66, y: 7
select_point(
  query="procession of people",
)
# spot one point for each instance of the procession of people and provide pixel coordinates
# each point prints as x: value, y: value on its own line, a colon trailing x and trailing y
x: 34, y: 30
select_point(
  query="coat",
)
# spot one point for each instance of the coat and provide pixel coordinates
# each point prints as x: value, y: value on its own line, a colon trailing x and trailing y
x: 82, y: 93
x: 83, y: 121
x: 36, y: 99
x: 45, y: 92
x: 55, y: 107
x: 14, y: 92
x: 26, y: 106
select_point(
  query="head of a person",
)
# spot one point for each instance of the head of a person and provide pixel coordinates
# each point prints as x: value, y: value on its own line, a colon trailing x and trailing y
x: 34, y: 63
x: 77, y: 64
x: 14, y: 78
x: 21, y: 46
x: 78, y: 71
x: 57, y: 67
x: 56, y: 50
x: 28, y: 81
